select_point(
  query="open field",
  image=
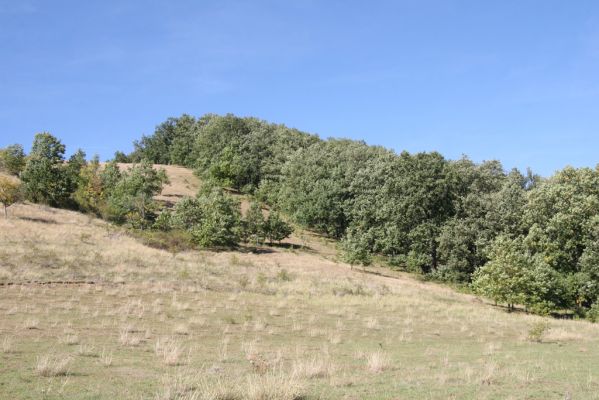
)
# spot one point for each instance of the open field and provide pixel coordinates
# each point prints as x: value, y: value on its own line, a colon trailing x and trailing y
x: 279, y: 324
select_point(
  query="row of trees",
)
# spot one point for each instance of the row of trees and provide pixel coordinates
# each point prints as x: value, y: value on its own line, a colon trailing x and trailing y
x: 514, y: 237
x: 127, y: 196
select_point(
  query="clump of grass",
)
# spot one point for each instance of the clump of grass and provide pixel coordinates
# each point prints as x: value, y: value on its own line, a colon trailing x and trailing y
x: 70, y: 339
x: 181, y: 329
x: 106, y: 358
x: 7, y: 345
x: 31, y: 323
x: 50, y: 365
x: 537, y: 331
x: 126, y: 338
x: 373, y: 323
x: 86, y: 350
x: 274, y: 385
x: 169, y: 351
x: 377, y: 362
x: 284, y: 276
x: 350, y: 290
x: 316, y: 367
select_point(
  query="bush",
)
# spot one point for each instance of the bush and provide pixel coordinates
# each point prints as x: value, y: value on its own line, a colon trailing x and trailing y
x: 131, y: 200
x: 173, y: 241
x: 10, y: 193
x: 593, y: 313
x: 275, y: 229
x: 12, y: 159
x: 221, y: 223
x: 164, y: 221
x: 44, y: 178
x: 537, y: 331
x: 187, y: 213
x: 254, y: 224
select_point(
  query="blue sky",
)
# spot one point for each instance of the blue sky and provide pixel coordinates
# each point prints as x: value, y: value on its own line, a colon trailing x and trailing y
x: 514, y: 80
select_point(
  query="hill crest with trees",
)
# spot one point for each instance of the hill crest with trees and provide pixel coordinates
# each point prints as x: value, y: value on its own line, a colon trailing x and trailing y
x: 513, y: 237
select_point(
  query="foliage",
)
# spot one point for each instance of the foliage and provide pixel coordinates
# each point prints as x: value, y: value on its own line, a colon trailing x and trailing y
x: 187, y: 213
x: 121, y: 157
x: 254, y: 224
x: 537, y: 331
x: 174, y: 241
x: 507, y: 277
x: 10, y: 193
x: 355, y: 251
x: 45, y: 178
x: 131, y: 198
x: 221, y: 220
x: 275, y: 228
x: 89, y: 194
x: 12, y: 159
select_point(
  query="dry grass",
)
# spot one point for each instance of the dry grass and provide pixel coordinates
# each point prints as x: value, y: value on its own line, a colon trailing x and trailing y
x: 50, y: 365
x: 315, y: 367
x: 377, y: 362
x: 206, y: 325
x: 169, y: 351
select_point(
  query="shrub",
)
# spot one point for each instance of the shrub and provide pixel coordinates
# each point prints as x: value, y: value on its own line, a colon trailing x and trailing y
x: 537, y: 331
x: 89, y: 193
x: 131, y: 201
x: 221, y: 222
x: 44, y: 178
x: 593, y: 313
x: 275, y: 229
x: 10, y: 193
x: 164, y: 221
x: 187, y: 213
x: 254, y: 224
x: 174, y: 241
x: 12, y: 159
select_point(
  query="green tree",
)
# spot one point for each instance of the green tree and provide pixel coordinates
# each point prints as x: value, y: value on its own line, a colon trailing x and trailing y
x: 221, y: 220
x: 275, y: 228
x: 188, y: 213
x: 132, y: 200
x: 355, y: 250
x: 507, y: 277
x: 254, y: 224
x: 12, y: 159
x: 10, y: 193
x: 121, y: 157
x: 89, y: 195
x: 44, y: 177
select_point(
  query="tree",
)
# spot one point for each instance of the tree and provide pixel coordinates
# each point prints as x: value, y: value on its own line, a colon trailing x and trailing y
x: 121, y: 157
x: 507, y: 277
x: 187, y: 213
x: 254, y: 223
x: 221, y: 220
x: 44, y: 177
x: 89, y: 195
x: 12, y: 159
x: 10, y: 193
x: 131, y: 200
x: 355, y: 250
x: 275, y: 229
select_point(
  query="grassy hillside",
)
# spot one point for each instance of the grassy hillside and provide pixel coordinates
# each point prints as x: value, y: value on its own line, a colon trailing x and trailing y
x: 278, y: 324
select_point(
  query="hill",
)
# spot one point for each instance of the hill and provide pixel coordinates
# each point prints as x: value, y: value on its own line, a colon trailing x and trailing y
x: 128, y: 321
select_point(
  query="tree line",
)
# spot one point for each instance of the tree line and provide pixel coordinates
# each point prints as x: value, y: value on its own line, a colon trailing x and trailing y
x: 514, y: 237
x: 127, y: 196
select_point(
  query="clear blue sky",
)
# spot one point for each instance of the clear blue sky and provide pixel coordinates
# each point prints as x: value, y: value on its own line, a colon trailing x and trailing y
x: 515, y: 80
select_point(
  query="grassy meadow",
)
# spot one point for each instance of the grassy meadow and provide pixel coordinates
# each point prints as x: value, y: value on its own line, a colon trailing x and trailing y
x: 127, y: 321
